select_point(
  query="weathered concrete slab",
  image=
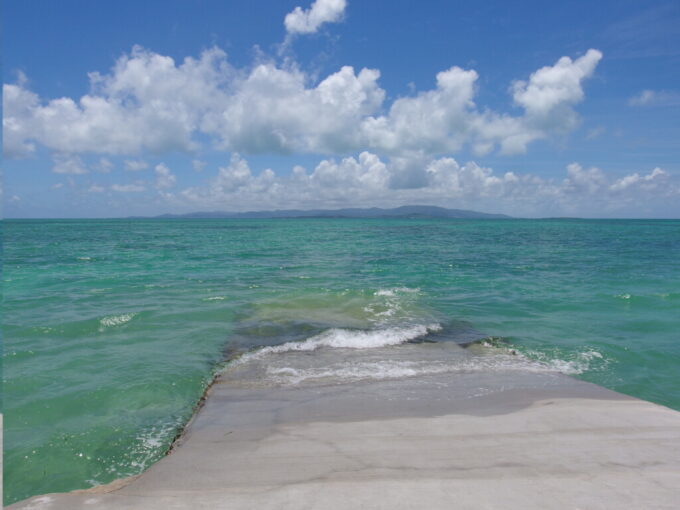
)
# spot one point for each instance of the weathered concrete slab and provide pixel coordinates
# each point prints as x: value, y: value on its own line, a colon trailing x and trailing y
x: 467, y: 440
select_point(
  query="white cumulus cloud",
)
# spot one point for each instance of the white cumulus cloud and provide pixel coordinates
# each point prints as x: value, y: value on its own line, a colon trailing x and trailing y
x: 444, y: 119
x: 128, y: 188
x: 655, y: 98
x: 18, y: 107
x: 147, y: 102
x: 198, y: 165
x: 104, y: 166
x: 580, y: 180
x: 164, y: 177
x: 132, y: 165
x: 649, y: 182
x: 555, y: 87
x: 150, y: 103
x: 366, y: 180
x: 308, y: 21
x: 272, y: 110
x: 68, y: 164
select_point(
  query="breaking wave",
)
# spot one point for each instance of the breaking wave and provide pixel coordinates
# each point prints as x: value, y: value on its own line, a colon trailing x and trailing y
x: 116, y: 320
x: 351, y: 339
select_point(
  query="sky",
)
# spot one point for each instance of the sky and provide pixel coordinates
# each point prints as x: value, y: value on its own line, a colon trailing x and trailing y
x: 527, y: 108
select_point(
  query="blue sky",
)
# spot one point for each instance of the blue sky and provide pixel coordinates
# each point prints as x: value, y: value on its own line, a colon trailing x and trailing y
x: 525, y: 108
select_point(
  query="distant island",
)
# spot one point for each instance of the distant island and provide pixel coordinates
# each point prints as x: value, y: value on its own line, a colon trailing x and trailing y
x: 407, y: 211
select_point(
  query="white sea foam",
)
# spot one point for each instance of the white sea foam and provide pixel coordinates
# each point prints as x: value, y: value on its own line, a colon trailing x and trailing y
x: 151, y: 443
x: 215, y: 298
x: 395, y: 369
x: 579, y: 363
x: 116, y: 320
x: 394, y: 291
x: 391, y: 304
x: 369, y: 370
x: 102, y: 289
x: 352, y: 339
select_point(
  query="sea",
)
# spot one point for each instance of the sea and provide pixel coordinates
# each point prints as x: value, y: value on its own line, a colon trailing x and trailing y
x: 113, y: 329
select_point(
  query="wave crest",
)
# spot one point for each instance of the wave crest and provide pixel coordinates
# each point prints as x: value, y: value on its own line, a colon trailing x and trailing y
x: 339, y: 338
x: 116, y: 320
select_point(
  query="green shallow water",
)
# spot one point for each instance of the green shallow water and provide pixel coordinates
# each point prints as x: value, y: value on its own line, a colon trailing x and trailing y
x: 114, y: 328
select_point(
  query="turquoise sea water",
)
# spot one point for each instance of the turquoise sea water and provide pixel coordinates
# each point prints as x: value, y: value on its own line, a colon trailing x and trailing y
x: 114, y: 328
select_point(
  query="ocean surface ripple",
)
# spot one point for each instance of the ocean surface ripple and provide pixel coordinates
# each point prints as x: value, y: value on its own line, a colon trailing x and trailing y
x: 114, y: 328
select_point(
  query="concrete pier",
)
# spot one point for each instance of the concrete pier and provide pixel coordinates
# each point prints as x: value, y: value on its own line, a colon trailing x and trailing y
x: 466, y: 441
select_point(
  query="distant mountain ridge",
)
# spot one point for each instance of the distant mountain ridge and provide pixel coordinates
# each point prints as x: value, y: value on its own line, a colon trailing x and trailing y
x: 406, y: 211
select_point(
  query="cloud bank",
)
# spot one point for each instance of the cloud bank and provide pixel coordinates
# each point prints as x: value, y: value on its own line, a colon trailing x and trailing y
x: 367, y: 180
x: 150, y: 103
